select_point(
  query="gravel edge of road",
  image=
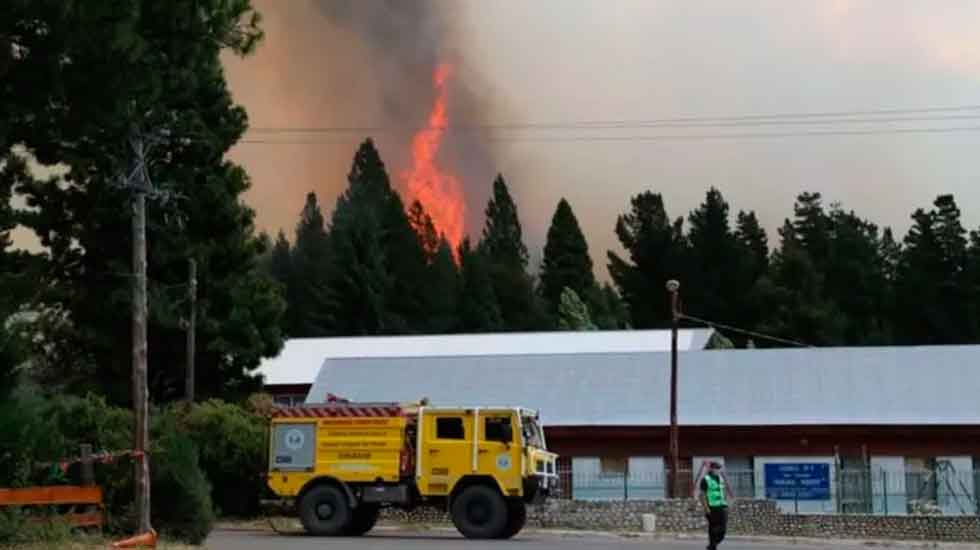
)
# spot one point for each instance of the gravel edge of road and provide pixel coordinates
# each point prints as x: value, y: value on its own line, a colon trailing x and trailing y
x: 573, y: 533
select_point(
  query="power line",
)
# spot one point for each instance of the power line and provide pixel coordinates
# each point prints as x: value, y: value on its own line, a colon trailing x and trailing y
x: 657, y: 137
x: 758, y: 119
x: 617, y: 125
x: 743, y: 331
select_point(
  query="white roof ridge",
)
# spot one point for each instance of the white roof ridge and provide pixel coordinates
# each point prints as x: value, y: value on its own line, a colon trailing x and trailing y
x: 301, y: 358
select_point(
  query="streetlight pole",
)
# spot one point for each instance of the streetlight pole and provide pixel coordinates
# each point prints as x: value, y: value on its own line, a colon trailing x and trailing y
x: 673, y: 287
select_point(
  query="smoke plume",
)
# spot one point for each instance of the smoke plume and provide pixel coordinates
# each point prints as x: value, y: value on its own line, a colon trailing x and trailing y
x: 402, y: 44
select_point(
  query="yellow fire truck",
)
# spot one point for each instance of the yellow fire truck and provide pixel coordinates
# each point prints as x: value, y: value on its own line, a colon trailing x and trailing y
x: 340, y: 463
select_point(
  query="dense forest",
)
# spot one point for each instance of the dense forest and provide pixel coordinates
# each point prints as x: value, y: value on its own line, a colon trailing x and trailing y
x: 831, y: 278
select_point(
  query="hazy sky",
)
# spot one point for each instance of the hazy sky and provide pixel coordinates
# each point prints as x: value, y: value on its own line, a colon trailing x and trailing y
x: 562, y: 61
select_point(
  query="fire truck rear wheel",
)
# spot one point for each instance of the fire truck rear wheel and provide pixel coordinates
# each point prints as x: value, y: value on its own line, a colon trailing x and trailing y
x: 480, y: 512
x: 324, y: 511
x: 363, y: 519
x: 516, y: 518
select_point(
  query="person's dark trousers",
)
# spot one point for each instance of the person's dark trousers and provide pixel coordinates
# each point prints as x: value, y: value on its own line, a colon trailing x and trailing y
x: 717, y: 526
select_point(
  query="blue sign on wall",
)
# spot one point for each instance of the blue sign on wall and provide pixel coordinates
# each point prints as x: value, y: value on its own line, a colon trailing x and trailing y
x: 798, y: 481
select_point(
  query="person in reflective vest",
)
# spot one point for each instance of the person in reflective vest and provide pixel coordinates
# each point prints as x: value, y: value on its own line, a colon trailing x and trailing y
x: 715, y: 503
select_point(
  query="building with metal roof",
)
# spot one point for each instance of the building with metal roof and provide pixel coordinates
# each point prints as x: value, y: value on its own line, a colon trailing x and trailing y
x: 605, y: 407
x: 289, y: 375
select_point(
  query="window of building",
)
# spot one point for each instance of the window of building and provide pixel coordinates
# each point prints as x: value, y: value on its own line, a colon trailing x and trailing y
x: 289, y: 400
x: 738, y: 470
x: 854, y: 487
x: 976, y: 481
x: 612, y: 467
x: 450, y: 427
x: 921, y: 483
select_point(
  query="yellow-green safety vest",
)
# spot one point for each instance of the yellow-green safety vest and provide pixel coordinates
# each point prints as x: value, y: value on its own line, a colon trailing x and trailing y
x: 716, y: 492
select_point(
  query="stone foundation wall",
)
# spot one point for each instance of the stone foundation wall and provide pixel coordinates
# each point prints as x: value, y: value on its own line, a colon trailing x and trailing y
x: 748, y: 517
x: 924, y: 528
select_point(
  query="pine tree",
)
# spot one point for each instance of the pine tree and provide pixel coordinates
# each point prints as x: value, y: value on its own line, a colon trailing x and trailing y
x: 657, y: 251
x: 715, y: 279
x: 856, y: 279
x: 308, y: 266
x: 15, y: 283
x: 811, y: 227
x: 566, y: 261
x: 88, y: 87
x: 793, y: 294
x: 358, y: 282
x: 573, y: 314
x: 378, y: 264
x: 718, y: 340
x: 891, y: 254
x: 503, y: 246
x: 919, y: 319
x: 932, y: 288
x: 832, y: 277
x: 442, y: 291
x: 503, y: 240
x: 13, y: 275
x: 972, y: 284
x: 753, y: 243
x: 280, y: 260
x: 479, y: 310
x: 404, y: 257
x: 422, y: 224
x: 609, y: 312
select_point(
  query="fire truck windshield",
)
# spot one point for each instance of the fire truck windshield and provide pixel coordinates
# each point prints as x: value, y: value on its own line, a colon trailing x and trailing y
x: 533, y: 436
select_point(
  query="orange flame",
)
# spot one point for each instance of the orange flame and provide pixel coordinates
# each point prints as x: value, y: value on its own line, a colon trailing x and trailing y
x: 439, y: 191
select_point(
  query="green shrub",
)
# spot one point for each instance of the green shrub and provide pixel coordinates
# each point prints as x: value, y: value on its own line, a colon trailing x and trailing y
x: 181, y: 495
x: 233, y: 451
x: 11, y: 356
x: 12, y: 526
x: 15, y: 529
x: 213, y: 452
x: 92, y: 420
x: 26, y: 438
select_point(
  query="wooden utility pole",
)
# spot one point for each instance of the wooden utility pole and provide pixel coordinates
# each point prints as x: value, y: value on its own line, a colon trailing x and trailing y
x: 88, y: 467
x: 191, y: 324
x: 140, y: 391
x: 674, y: 450
x: 138, y: 182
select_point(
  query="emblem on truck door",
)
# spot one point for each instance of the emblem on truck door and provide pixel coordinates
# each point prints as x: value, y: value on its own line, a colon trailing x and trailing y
x: 295, y: 439
x: 503, y: 462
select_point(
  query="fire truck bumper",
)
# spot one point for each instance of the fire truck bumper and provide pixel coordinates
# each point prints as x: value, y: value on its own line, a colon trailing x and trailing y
x: 540, y: 487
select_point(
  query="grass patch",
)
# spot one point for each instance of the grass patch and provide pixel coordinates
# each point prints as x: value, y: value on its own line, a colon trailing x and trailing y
x: 92, y: 543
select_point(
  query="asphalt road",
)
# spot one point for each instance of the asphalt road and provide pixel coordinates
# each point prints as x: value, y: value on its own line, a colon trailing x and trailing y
x: 441, y: 540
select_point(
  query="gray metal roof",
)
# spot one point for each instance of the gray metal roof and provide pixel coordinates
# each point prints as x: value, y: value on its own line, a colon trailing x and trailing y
x: 300, y: 358
x: 836, y: 386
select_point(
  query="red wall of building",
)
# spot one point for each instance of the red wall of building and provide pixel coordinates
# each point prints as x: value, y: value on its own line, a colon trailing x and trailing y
x: 907, y: 441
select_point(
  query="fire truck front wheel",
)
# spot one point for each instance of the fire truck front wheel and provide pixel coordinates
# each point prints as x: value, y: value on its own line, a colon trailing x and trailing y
x: 363, y: 519
x: 516, y: 518
x: 480, y: 512
x: 324, y: 511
